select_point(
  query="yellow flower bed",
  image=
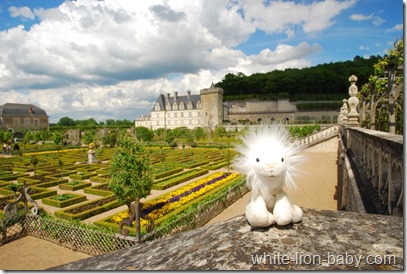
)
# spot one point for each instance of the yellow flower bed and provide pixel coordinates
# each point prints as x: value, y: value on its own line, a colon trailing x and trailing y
x: 179, y: 197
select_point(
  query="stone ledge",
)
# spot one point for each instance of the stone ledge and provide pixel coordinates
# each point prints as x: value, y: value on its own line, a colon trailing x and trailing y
x: 330, y: 239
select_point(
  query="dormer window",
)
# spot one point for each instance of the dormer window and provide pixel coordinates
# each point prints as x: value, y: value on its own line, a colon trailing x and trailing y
x: 157, y: 106
x: 181, y: 105
x: 175, y: 106
x: 190, y: 106
x: 198, y: 104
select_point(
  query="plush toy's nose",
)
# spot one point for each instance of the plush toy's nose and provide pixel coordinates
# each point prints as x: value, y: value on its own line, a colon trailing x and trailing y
x: 271, y: 165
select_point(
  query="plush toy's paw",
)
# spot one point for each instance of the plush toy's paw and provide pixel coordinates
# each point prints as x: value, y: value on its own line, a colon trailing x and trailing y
x: 297, y: 211
x: 258, y: 216
x: 283, y: 219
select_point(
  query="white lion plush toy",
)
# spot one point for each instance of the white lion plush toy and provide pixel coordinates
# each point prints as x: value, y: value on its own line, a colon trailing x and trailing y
x: 269, y: 160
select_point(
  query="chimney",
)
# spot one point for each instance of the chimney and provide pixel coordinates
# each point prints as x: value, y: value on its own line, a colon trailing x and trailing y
x: 168, y: 96
x: 189, y: 93
x: 176, y: 94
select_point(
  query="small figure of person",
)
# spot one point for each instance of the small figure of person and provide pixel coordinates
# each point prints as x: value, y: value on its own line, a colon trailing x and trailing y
x: 4, y: 148
x: 16, y: 147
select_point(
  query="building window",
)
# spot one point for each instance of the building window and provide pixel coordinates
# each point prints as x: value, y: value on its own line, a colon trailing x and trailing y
x: 189, y: 114
x: 26, y: 122
x: 181, y: 105
x: 175, y: 114
x: 157, y: 106
x: 182, y: 114
x: 16, y: 122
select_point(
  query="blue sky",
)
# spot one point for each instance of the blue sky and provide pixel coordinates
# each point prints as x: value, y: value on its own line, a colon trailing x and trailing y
x: 112, y: 58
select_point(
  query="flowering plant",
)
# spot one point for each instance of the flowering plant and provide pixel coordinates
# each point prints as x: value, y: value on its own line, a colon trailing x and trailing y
x: 173, y: 200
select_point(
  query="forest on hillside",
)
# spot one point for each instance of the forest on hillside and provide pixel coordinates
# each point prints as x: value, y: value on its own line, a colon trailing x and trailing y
x: 322, y: 82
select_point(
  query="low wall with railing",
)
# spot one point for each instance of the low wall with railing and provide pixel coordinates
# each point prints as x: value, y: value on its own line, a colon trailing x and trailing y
x: 92, y: 241
x: 370, y: 169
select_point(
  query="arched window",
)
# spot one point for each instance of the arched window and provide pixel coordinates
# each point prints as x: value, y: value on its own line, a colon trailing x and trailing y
x: 181, y: 105
x: 190, y: 105
x: 157, y: 106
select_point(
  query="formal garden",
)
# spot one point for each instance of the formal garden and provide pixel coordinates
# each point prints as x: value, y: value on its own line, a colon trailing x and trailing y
x: 191, y: 186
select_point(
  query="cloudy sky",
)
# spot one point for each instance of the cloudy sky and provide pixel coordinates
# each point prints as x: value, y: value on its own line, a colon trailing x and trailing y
x: 111, y: 59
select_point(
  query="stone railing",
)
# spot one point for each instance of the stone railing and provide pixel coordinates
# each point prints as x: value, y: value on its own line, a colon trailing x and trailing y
x: 320, y: 136
x: 376, y: 161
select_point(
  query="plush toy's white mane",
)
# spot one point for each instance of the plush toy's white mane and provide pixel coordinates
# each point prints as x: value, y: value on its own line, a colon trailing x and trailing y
x: 270, y: 144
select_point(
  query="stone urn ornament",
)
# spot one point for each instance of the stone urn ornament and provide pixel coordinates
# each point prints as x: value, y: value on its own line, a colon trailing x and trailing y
x: 91, y: 153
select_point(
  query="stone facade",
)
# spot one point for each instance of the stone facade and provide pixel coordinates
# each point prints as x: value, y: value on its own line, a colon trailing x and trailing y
x: 17, y: 117
x: 191, y: 110
x: 207, y: 109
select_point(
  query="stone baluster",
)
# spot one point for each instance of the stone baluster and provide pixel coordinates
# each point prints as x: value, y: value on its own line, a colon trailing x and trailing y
x: 353, y: 102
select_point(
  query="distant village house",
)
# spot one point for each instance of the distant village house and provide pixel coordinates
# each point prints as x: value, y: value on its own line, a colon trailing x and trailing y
x: 18, y: 117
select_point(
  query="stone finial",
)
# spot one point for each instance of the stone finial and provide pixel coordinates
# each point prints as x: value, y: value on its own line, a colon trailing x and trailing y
x: 353, y: 102
x: 343, y: 114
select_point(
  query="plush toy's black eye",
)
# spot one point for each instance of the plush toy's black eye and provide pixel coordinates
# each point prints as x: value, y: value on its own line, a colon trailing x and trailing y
x: 282, y: 160
x: 257, y: 160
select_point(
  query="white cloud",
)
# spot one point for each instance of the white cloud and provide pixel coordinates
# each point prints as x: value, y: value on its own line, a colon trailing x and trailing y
x: 113, y: 58
x: 376, y: 20
x: 364, y: 47
x: 277, y: 16
x: 24, y: 12
x: 398, y: 27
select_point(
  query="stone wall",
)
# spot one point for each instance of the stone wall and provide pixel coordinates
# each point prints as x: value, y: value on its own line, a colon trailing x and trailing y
x: 325, y: 240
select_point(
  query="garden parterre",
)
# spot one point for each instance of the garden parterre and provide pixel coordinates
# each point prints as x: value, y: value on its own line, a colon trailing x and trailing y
x: 64, y: 167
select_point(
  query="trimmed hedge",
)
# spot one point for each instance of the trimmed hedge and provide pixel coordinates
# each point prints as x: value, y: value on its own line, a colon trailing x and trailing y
x: 69, y: 186
x: 97, y: 190
x: 54, y: 182
x: 39, y: 193
x: 82, y: 176
x: 98, y: 179
x: 91, y: 208
x: 215, y: 165
x: 76, y: 199
x: 167, y: 173
x: 191, y: 174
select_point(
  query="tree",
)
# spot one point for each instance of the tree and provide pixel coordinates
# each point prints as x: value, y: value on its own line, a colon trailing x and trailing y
x: 130, y: 171
x: 34, y: 162
x: 144, y: 134
x: 57, y: 137
x: 66, y: 121
x: 382, y: 97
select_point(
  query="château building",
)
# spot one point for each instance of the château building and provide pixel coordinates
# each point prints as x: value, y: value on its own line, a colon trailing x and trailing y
x: 208, y: 110
x: 192, y: 110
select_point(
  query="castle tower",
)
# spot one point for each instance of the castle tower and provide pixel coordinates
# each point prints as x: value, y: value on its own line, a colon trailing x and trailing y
x: 212, y: 106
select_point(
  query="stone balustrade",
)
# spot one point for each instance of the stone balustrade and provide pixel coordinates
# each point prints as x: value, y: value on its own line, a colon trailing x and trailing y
x: 376, y: 159
x: 319, y: 136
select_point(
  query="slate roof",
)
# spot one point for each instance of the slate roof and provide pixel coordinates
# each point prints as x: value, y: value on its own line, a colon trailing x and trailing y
x: 163, y: 100
x: 12, y: 109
